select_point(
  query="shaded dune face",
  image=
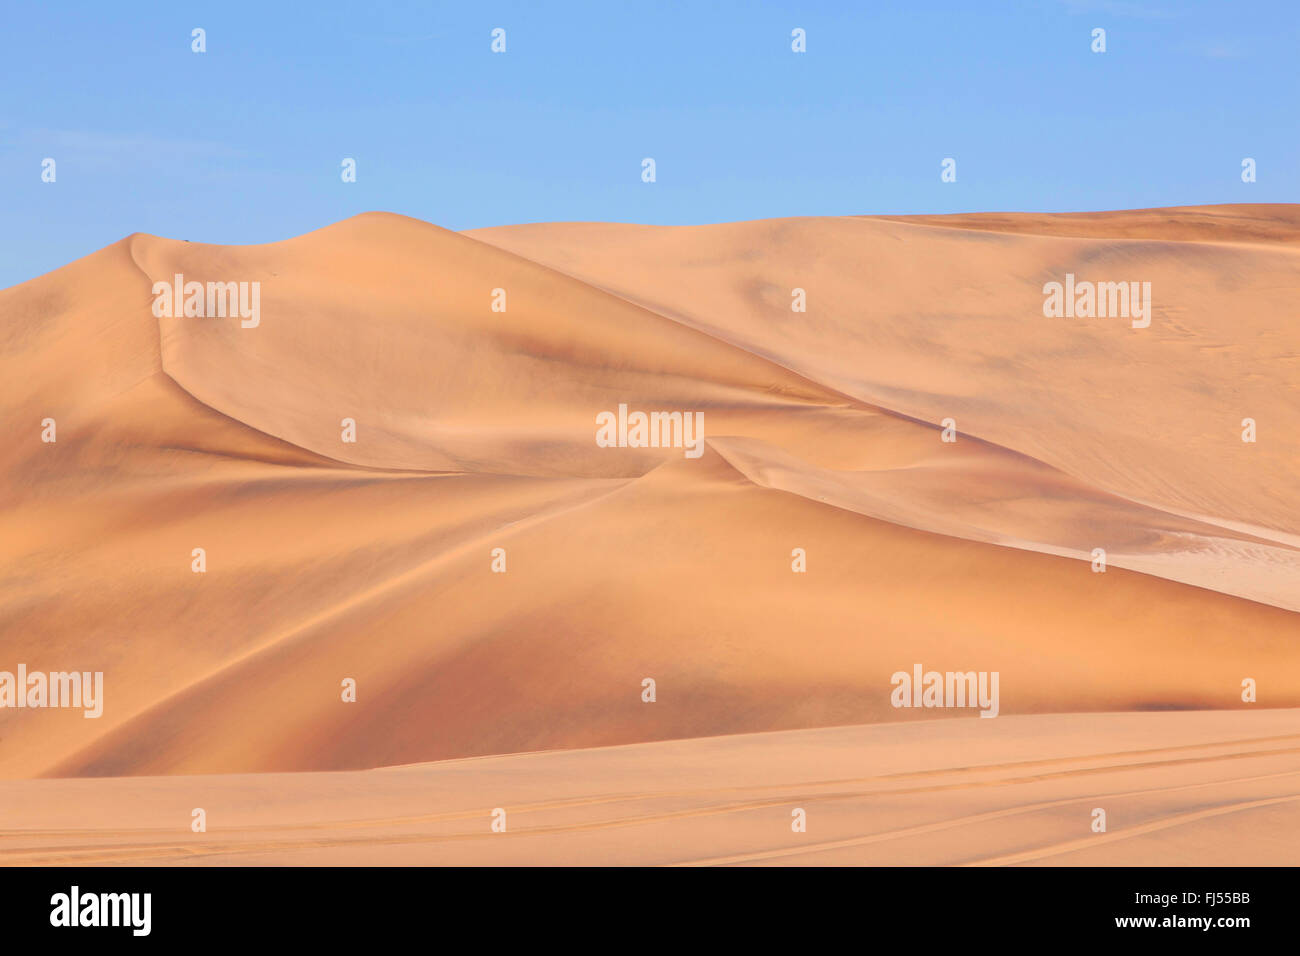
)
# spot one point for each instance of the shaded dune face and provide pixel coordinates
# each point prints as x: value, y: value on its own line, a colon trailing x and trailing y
x: 475, y: 428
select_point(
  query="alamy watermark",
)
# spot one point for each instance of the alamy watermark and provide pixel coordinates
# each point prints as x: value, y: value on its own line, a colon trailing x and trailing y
x: 215, y: 300
x: 947, y: 689
x: 75, y: 908
x: 1086, y: 300
x: 651, y: 430
x: 84, y: 689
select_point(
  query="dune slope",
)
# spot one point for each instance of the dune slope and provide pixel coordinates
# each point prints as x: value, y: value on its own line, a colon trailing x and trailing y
x: 475, y: 430
x: 1191, y: 788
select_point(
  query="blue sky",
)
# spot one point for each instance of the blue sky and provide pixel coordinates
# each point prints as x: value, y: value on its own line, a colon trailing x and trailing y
x: 243, y: 143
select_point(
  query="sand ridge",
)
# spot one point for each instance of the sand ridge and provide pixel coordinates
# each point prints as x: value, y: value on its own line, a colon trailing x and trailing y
x: 476, y: 430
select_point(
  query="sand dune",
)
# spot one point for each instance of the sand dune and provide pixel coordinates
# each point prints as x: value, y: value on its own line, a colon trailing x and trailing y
x: 476, y: 430
x: 936, y: 317
x: 1203, y: 788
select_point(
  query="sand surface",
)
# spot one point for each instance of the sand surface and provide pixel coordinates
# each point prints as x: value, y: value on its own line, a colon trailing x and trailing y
x: 1192, y: 788
x: 476, y: 430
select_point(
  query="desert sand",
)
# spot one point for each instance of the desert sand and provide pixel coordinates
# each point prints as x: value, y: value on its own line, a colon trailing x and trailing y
x: 372, y: 561
x: 1184, y: 788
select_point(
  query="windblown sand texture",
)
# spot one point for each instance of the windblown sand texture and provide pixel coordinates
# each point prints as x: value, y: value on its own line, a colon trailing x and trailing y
x: 476, y: 430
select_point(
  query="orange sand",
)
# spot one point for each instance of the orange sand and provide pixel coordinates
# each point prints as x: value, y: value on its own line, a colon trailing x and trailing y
x: 372, y: 560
